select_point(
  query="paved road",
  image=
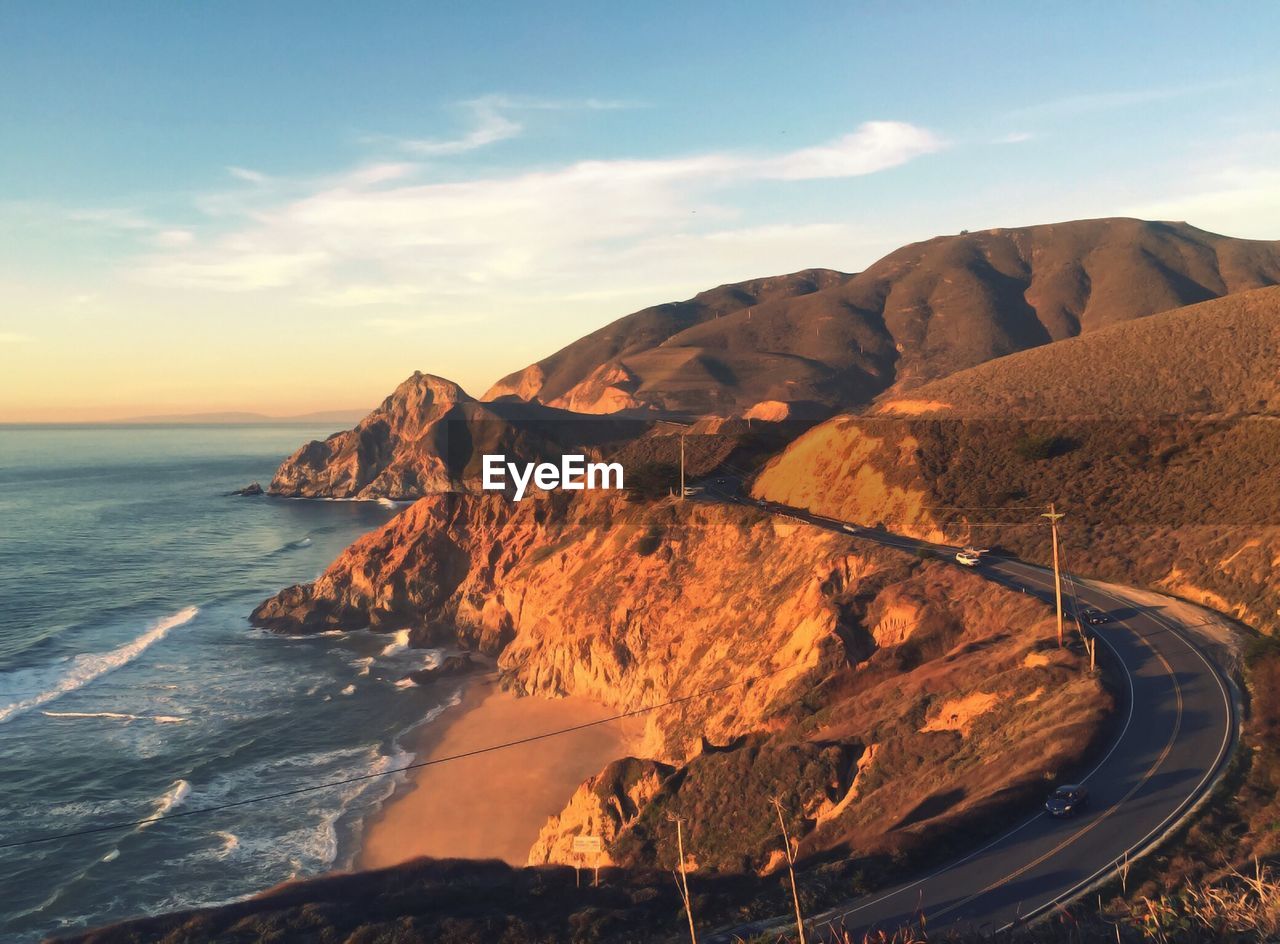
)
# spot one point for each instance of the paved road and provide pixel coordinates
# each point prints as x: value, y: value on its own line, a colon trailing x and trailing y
x: 1176, y: 730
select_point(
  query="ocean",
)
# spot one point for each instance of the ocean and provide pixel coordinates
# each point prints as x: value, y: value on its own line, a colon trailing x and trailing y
x: 131, y: 683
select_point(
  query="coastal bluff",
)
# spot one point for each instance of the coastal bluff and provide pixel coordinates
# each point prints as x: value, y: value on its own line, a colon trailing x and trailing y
x: 764, y: 654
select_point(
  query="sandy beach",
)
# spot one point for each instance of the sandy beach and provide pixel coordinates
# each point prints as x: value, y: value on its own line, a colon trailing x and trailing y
x: 492, y: 806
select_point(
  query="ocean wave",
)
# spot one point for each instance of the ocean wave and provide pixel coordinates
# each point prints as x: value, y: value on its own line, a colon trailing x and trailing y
x: 363, y: 665
x: 349, y: 690
x: 294, y: 545
x: 400, y: 642
x: 91, y: 666
x: 230, y: 843
x: 178, y: 791
x: 117, y: 715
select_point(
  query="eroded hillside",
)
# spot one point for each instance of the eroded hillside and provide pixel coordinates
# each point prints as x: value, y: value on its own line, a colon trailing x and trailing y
x: 834, y: 673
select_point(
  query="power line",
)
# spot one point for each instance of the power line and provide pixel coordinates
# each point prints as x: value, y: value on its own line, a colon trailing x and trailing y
x: 311, y: 788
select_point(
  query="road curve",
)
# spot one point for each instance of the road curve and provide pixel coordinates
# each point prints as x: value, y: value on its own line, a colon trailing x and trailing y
x: 1177, y: 728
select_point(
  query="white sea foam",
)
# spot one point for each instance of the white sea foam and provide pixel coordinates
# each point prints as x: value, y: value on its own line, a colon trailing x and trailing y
x: 116, y: 715
x: 363, y: 665
x: 91, y: 666
x: 400, y: 642
x: 230, y: 843
x: 406, y: 683
x: 178, y: 791
x: 349, y: 690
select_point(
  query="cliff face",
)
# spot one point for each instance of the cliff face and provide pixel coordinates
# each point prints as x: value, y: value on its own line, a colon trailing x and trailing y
x: 401, y: 448
x: 429, y: 437
x: 789, y: 653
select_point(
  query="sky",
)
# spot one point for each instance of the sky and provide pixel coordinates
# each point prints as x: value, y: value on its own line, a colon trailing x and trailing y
x: 285, y: 207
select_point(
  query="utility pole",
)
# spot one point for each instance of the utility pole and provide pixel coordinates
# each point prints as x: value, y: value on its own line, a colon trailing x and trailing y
x: 682, y: 466
x: 1054, y: 517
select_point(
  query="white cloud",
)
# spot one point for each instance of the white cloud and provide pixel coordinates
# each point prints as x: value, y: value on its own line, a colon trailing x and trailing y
x: 247, y: 175
x: 1233, y: 188
x: 875, y: 146
x: 382, y: 235
x: 489, y: 126
x: 1088, y: 102
x: 1015, y: 137
x: 172, y: 238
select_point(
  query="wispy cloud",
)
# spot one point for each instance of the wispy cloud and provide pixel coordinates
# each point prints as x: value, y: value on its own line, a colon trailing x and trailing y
x: 382, y: 235
x: 1015, y: 137
x: 488, y: 126
x: 1234, y: 187
x: 1109, y: 100
x: 492, y: 118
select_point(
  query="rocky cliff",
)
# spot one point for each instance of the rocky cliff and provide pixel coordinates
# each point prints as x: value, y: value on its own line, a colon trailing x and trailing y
x: 428, y: 437
x: 786, y: 659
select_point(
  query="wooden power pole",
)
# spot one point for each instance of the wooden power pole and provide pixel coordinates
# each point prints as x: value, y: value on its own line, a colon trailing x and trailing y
x: 682, y: 466
x: 1054, y: 517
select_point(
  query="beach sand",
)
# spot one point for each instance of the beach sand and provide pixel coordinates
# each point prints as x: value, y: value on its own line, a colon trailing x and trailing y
x: 493, y: 806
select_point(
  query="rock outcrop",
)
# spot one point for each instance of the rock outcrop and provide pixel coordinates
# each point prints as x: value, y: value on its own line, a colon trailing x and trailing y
x: 428, y: 438
x: 764, y: 654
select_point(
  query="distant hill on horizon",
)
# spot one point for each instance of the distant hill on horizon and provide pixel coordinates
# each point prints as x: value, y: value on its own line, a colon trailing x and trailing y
x: 230, y: 417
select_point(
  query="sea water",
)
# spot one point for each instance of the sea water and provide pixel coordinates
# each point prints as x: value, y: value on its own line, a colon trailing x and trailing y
x: 131, y: 683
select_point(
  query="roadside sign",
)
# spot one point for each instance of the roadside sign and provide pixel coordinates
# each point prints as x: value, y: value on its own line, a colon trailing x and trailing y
x: 584, y: 845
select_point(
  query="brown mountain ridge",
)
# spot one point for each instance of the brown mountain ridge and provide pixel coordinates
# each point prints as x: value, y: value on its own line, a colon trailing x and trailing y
x: 922, y: 312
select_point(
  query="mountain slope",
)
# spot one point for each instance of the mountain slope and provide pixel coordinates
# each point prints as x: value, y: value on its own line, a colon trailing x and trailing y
x: 922, y: 312
x: 1159, y: 439
x: 1219, y: 356
x: 553, y: 379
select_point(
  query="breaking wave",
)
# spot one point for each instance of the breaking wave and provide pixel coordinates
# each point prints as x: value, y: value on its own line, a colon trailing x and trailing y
x: 399, y: 644
x: 90, y: 666
x: 117, y: 715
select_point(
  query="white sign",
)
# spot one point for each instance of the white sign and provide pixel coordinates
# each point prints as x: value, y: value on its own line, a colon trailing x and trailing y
x: 584, y: 844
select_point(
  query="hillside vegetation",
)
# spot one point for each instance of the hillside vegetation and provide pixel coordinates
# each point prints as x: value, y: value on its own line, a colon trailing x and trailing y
x: 1186, y: 504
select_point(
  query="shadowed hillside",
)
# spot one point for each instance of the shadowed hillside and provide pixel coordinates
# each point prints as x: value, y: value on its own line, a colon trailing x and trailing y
x: 922, y: 312
x: 1158, y: 439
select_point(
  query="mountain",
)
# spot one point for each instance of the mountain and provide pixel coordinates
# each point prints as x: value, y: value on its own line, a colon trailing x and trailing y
x: 428, y: 436
x: 1158, y: 438
x: 922, y: 312
x: 589, y: 375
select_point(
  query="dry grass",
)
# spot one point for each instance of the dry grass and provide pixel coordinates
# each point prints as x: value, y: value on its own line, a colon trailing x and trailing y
x: 1242, y: 907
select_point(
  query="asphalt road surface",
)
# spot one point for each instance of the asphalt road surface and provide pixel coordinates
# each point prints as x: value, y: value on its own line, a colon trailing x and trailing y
x: 1176, y: 729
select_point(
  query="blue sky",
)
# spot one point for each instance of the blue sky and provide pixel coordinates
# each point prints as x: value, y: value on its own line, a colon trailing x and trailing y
x: 291, y: 206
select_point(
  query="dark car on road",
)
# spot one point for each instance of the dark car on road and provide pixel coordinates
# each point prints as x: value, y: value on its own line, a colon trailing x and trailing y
x: 1068, y: 800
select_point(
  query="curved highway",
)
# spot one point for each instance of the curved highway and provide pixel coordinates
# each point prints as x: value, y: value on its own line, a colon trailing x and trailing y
x: 1177, y: 727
